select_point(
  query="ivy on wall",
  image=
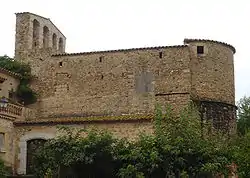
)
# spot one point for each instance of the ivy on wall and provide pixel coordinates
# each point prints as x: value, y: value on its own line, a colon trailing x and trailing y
x: 24, y: 92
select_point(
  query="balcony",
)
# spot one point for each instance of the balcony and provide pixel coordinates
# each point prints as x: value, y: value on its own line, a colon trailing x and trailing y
x: 11, y: 111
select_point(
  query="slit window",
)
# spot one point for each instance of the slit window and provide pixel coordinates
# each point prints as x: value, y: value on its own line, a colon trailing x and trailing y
x: 101, y: 58
x: 160, y: 55
x: 200, y: 49
x: 60, y: 64
x: 11, y: 94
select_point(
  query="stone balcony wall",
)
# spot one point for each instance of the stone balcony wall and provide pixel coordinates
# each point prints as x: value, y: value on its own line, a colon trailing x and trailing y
x: 12, y: 111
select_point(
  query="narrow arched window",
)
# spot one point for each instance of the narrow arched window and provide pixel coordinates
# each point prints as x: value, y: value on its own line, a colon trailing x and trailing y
x: 60, y: 44
x: 54, y: 38
x: 36, y: 30
x: 45, y: 37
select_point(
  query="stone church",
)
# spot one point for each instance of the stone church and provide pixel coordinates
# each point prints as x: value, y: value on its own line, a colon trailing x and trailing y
x: 115, y: 89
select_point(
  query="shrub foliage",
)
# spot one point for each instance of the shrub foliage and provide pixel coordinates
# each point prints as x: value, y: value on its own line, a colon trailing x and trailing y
x: 178, y: 148
x: 24, y: 92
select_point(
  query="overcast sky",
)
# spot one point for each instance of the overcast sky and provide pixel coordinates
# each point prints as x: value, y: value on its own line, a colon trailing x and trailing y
x: 113, y: 24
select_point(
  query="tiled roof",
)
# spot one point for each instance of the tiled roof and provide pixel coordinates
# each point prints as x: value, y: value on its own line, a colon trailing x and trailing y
x: 5, y: 117
x: 13, y: 74
x: 95, y: 119
x: 43, y: 18
x: 212, y: 41
x: 119, y: 50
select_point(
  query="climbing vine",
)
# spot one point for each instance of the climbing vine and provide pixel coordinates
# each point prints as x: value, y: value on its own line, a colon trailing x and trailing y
x: 24, y: 92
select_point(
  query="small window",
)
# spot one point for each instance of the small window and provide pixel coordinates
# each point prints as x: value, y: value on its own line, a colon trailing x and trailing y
x: 60, y: 64
x: 2, y: 79
x: 160, y: 55
x: 2, y: 140
x: 101, y: 58
x: 200, y: 49
x: 11, y: 94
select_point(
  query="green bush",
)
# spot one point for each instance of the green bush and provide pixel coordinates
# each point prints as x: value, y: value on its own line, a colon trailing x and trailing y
x: 4, y: 170
x: 240, y: 150
x: 177, y: 148
x: 24, y: 92
x: 243, y: 119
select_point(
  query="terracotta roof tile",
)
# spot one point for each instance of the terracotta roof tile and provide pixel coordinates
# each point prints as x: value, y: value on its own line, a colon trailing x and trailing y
x: 212, y: 41
x: 13, y: 74
x: 94, y: 119
x: 119, y: 50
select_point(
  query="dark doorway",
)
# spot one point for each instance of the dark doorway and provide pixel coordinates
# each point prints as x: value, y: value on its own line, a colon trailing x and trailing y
x: 32, y: 147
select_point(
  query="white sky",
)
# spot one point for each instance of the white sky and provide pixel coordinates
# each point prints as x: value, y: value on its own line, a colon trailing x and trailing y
x: 113, y: 24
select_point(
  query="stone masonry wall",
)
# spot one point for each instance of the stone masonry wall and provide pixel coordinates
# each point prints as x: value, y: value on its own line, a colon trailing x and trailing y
x: 212, y: 72
x: 24, y: 36
x: 223, y: 116
x: 7, y: 154
x: 212, y: 76
x: 122, y: 81
x: 112, y: 83
x: 119, y: 130
x: 10, y: 84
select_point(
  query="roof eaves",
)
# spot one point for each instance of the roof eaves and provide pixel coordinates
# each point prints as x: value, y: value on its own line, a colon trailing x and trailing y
x: 118, y: 50
x: 13, y: 74
x: 212, y: 41
x: 105, y: 119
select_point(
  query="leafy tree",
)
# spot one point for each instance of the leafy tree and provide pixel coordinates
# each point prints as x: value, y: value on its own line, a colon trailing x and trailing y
x: 24, y: 92
x: 243, y: 121
x: 130, y: 171
x: 180, y: 147
x: 239, y: 148
x: 2, y: 169
x: 184, y: 147
x: 73, y: 155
